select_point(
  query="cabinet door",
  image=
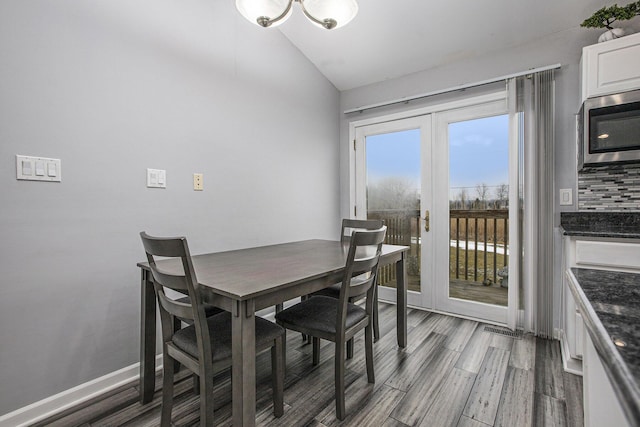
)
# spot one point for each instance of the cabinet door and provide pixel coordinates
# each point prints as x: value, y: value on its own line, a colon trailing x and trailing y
x: 601, y: 404
x: 611, y: 67
x: 573, y: 322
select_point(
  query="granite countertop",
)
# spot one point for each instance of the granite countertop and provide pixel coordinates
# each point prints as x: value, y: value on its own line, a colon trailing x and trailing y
x: 601, y: 224
x: 609, y: 302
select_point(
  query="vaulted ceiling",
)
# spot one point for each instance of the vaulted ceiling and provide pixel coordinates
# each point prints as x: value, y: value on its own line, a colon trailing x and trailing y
x: 393, y: 38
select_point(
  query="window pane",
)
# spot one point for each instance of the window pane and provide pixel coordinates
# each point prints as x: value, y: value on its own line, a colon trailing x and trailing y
x: 478, y: 209
x: 393, y: 194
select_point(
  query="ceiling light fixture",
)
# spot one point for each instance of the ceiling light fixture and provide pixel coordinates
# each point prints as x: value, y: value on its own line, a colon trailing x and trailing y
x: 327, y: 14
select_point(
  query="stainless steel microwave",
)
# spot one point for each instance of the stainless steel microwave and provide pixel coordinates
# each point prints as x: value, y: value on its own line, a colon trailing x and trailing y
x: 609, y: 129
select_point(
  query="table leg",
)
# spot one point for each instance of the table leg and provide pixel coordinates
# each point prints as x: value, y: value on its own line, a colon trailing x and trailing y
x: 401, y: 286
x: 147, y: 338
x: 243, y: 378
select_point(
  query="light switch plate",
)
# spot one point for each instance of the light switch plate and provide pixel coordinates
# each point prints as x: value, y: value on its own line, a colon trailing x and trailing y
x: 156, y: 178
x: 31, y: 168
x: 566, y: 197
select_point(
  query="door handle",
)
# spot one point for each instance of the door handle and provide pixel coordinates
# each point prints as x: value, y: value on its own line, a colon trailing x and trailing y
x: 426, y: 220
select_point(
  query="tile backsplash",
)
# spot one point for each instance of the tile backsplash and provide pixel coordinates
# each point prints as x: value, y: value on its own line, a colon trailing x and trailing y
x: 609, y: 188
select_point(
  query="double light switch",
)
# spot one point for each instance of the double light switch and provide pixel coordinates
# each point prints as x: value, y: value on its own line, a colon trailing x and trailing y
x: 156, y: 178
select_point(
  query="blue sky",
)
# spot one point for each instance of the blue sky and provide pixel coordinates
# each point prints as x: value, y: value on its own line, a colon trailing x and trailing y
x: 394, y: 154
x: 478, y: 152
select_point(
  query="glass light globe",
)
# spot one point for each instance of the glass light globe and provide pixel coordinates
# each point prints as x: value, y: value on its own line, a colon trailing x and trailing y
x: 340, y: 11
x: 263, y: 12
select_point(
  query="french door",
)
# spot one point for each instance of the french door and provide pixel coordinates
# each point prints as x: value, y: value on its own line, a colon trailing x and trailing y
x: 443, y: 180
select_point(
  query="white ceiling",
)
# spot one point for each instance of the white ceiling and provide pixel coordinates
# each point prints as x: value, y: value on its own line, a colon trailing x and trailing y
x: 393, y: 38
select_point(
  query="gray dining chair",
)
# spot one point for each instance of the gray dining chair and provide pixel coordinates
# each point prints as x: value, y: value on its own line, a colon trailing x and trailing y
x: 204, y: 347
x: 338, y: 320
x: 347, y: 229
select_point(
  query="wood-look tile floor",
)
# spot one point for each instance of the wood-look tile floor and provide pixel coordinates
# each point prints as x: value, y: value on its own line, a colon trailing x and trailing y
x: 452, y: 373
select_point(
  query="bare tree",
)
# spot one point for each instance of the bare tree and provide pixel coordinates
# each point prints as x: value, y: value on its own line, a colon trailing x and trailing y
x: 463, y: 198
x: 392, y: 193
x: 483, y: 191
x: 502, y: 195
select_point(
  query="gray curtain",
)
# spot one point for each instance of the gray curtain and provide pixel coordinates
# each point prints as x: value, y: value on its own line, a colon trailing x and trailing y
x: 535, y: 101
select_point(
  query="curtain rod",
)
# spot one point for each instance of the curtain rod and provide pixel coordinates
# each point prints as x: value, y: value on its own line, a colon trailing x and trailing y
x: 452, y: 89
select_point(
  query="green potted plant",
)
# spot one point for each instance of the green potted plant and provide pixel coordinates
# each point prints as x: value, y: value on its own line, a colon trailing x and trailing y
x: 606, y: 16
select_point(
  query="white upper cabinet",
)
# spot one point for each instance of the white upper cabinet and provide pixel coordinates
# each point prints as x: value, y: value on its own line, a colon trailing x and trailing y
x: 611, y: 67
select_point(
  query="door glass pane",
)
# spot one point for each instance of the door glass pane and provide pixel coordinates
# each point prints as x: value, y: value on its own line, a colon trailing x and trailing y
x: 478, y: 210
x: 393, y: 194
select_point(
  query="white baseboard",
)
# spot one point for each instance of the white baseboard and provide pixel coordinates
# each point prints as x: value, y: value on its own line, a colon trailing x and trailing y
x: 57, y: 403
x: 569, y: 364
x: 74, y: 396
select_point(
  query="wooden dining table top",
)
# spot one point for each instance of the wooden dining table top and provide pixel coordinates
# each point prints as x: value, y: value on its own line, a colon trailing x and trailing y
x: 253, y: 272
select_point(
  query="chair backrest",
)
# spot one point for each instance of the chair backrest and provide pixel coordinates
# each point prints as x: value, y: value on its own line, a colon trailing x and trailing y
x: 351, y: 225
x: 183, y: 281
x: 361, y: 269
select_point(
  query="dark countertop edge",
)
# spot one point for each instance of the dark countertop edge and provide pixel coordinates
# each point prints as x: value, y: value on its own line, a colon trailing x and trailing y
x: 622, y: 381
x: 614, y: 224
x: 610, y: 234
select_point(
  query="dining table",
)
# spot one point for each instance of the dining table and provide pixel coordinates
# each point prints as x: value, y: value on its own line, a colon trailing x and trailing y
x: 247, y: 280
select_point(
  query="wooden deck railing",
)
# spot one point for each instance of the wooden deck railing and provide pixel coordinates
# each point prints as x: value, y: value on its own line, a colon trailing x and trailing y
x: 477, y: 238
x: 402, y: 229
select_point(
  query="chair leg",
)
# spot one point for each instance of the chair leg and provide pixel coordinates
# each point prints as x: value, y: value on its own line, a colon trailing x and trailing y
x: 339, y: 380
x: 305, y: 337
x: 206, y: 397
x: 284, y: 352
x: 316, y: 350
x: 368, y: 342
x: 350, y: 349
x: 277, y: 376
x: 167, y: 389
x: 376, y: 323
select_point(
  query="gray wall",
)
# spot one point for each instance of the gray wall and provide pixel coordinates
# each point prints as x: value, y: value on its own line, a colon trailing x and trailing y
x: 113, y: 87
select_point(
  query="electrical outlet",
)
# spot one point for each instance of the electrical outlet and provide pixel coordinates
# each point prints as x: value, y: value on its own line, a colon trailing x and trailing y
x: 198, y: 181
